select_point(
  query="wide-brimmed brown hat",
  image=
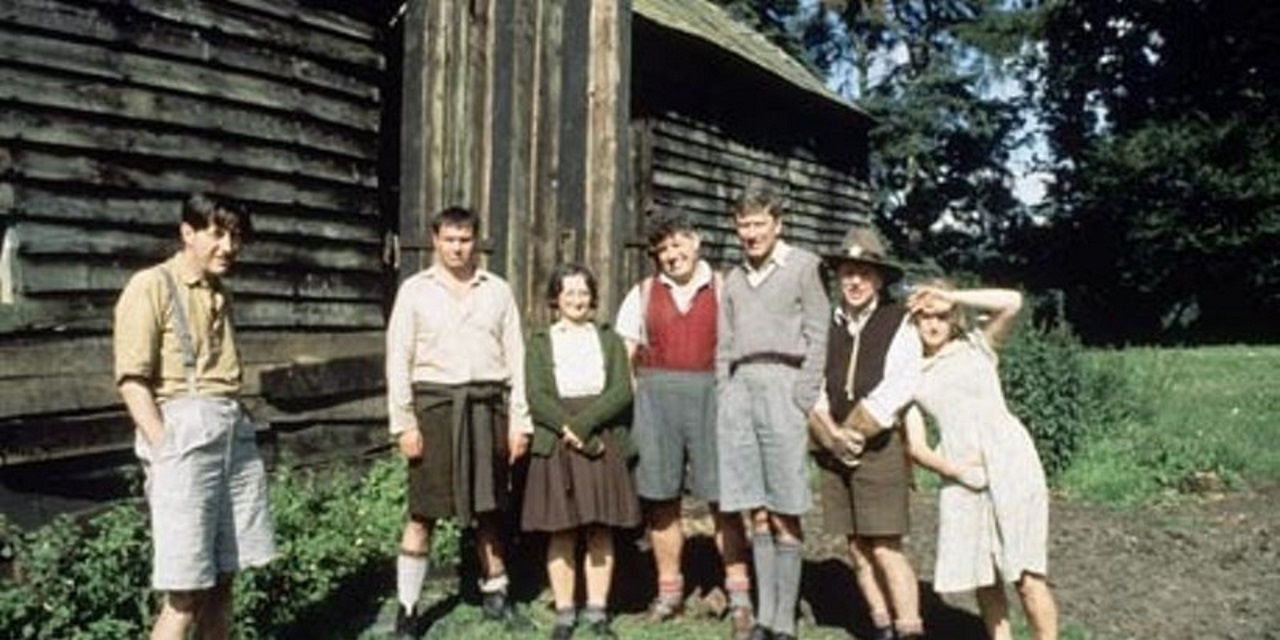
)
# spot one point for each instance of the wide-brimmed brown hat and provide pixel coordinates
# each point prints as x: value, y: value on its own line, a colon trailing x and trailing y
x: 863, y: 244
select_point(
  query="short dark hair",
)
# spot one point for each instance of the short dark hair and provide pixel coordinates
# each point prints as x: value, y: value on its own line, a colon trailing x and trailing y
x: 456, y: 217
x: 202, y: 211
x: 563, y: 271
x: 758, y: 198
x: 665, y: 223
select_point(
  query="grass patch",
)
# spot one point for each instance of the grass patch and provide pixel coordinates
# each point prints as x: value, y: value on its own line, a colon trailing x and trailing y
x: 1211, y: 419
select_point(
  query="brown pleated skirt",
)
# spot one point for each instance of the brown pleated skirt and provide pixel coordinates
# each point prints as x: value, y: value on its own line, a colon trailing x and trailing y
x: 568, y: 489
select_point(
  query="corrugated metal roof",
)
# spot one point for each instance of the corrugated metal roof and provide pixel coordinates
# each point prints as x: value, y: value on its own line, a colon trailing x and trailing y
x: 710, y: 22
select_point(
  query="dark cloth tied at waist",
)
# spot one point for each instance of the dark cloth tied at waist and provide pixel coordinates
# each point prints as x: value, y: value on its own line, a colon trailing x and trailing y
x: 767, y: 357
x: 478, y: 423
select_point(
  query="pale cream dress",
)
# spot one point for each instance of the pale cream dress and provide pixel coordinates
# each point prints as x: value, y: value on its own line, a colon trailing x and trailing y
x: 1005, y: 527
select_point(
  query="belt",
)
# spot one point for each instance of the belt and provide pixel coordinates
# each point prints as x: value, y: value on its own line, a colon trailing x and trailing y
x: 767, y: 357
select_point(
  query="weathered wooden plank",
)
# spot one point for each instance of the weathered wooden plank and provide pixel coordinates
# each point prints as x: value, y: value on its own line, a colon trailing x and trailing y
x: 607, y: 115
x: 90, y: 356
x: 413, y: 138
x: 700, y: 133
x: 307, y: 314
x: 545, y: 239
x: 24, y: 441
x: 160, y: 216
x: 81, y: 95
x: 74, y: 274
x: 84, y: 169
x: 61, y: 129
x: 719, y: 197
x: 180, y: 77
x: 313, y: 17
x: 41, y: 239
x: 224, y: 16
x: 313, y: 385
x: 111, y: 24
x: 803, y: 177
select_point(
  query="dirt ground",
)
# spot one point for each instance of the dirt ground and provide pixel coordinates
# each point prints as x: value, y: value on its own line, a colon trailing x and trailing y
x: 1203, y: 568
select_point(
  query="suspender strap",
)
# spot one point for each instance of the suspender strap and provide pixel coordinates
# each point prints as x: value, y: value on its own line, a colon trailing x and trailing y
x: 184, y: 332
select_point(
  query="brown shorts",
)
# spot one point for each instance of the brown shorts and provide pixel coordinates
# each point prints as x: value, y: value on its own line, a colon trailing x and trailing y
x: 870, y: 500
x: 432, y: 481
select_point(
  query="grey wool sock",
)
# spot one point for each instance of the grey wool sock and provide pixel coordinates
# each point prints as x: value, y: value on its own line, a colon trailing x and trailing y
x: 411, y: 572
x: 762, y: 552
x: 789, y: 561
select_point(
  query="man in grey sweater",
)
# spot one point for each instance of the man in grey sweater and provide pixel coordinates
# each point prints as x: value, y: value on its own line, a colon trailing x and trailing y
x: 769, y: 367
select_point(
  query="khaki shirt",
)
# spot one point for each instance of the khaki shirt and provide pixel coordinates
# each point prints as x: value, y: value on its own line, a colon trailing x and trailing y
x: 433, y: 336
x: 146, y: 340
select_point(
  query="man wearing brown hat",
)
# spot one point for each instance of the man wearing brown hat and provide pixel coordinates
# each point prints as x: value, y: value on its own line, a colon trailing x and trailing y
x: 872, y: 368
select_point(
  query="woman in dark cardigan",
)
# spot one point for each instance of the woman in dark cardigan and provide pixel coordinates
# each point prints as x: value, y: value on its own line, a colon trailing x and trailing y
x: 579, y: 389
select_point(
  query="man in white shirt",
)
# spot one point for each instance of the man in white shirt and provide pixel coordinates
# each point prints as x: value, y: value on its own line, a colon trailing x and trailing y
x: 872, y: 369
x: 456, y: 401
x: 669, y: 324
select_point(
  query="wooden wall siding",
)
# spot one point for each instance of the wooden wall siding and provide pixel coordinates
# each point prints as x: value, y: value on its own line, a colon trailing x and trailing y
x: 507, y: 106
x: 700, y: 169
x: 114, y: 111
x: 111, y: 113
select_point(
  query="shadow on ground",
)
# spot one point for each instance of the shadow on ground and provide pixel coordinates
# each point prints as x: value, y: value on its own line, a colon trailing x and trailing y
x: 831, y: 593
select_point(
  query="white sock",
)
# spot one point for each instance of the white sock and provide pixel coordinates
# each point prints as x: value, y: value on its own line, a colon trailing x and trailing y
x: 411, y: 572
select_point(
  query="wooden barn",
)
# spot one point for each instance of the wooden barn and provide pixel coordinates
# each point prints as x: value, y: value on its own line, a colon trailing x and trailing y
x: 343, y: 127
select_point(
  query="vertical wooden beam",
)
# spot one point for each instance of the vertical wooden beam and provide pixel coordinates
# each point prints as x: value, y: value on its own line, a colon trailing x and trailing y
x: 483, y: 63
x: 413, y: 141
x: 606, y: 153
x: 575, y: 129
x: 545, y: 167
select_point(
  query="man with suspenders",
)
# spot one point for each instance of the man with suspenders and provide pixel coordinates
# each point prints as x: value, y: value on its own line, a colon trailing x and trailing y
x: 179, y: 373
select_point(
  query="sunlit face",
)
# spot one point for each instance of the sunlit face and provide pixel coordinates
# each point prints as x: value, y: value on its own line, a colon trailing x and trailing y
x: 758, y: 230
x: 935, y: 322
x: 677, y: 256
x: 454, y: 246
x: 211, y: 249
x: 859, y: 284
x: 574, y: 301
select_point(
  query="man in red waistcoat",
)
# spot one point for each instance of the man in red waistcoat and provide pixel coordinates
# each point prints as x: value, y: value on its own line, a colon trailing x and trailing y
x: 669, y: 324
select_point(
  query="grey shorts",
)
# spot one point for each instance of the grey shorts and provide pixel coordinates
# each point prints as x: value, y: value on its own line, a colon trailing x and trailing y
x: 207, y: 494
x: 763, y: 442
x: 675, y: 425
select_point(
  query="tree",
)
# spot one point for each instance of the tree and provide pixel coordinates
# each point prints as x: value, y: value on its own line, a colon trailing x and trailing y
x: 940, y: 78
x: 1166, y: 205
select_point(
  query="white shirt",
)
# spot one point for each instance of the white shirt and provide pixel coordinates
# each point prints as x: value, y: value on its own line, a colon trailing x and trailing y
x: 578, y: 358
x: 435, y: 336
x: 902, y: 369
x: 777, y: 258
x: 630, y: 322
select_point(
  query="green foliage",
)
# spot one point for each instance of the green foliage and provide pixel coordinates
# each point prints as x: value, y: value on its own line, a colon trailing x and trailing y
x: 1063, y: 400
x: 73, y: 580
x: 88, y: 578
x: 1210, y: 427
x: 1167, y: 199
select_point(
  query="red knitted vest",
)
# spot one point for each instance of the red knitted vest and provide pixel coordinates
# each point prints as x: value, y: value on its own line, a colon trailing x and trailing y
x: 679, y: 342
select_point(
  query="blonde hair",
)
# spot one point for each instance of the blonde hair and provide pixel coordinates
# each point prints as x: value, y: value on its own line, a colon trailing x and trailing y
x: 957, y: 317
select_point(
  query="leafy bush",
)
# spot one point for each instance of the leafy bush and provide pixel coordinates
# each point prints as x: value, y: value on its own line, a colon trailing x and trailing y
x: 88, y: 578
x: 1061, y: 397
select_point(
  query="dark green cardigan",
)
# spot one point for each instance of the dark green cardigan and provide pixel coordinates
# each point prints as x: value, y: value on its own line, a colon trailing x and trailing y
x: 609, y: 413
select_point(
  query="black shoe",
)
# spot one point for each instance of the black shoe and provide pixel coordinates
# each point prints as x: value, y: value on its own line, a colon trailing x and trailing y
x: 562, y: 632
x: 882, y: 633
x: 496, y: 608
x: 601, y: 629
x: 406, y: 624
x: 761, y: 633
x: 783, y: 636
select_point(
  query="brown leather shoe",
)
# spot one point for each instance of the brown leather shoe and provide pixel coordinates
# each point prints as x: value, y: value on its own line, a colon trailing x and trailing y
x: 742, y: 620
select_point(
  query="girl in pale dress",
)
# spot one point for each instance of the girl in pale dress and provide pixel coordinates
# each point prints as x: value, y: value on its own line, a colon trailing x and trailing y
x: 994, y: 508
